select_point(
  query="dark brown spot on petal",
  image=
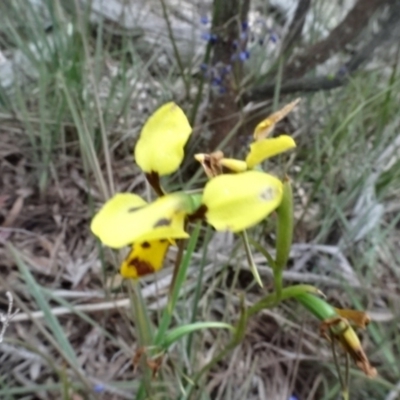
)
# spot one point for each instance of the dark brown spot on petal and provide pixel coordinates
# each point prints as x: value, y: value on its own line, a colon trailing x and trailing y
x: 142, y: 267
x: 133, y: 209
x: 162, y: 222
x: 200, y: 213
x: 145, y: 245
x: 163, y: 240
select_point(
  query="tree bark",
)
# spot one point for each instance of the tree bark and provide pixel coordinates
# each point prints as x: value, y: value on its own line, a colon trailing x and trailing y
x: 223, y: 110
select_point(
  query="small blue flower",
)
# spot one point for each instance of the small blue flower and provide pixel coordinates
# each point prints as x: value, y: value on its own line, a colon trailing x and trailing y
x: 209, y: 37
x: 342, y: 71
x: 244, y: 55
x: 98, y: 388
x: 216, y: 81
x: 222, y: 90
x: 226, y: 69
x: 204, y: 20
x: 243, y: 36
x: 273, y: 37
x: 203, y: 66
x: 235, y: 44
x: 245, y: 26
x: 293, y: 398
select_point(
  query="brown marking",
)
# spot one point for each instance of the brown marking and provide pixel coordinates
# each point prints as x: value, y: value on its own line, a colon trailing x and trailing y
x: 211, y: 163
x: 200, y: 213
x: 145, y: 245
x: 162, y: 222
x: 142, y: 267
x: 133, y: 209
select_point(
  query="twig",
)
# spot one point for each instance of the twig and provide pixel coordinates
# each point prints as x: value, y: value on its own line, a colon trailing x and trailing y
x: 355, y: 22
x: 6, y: 318
x: 296, y: 26
x: 390, y: 31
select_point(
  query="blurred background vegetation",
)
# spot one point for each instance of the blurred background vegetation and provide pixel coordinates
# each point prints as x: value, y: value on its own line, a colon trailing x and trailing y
x: 78, y: 78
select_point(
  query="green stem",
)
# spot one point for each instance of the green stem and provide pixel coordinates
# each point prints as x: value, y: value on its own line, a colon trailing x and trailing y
x: 271, y: 300
x: 199, y: 287
x: 179, y: 280
x: 278, y: 278
x: 142, y: 324
x: 267, y: 302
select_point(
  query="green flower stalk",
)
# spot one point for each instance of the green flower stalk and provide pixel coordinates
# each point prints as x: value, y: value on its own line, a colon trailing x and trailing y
x: 284, y: 234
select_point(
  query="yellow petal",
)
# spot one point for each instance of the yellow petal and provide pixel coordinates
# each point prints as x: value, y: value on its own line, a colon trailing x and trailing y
x: 266, y: 148
x: 162, y: 139
x: 126, y: 218
x: 236, y: 202
x: 265, y: 127
x: 234, y: 165
x: 144, y: 258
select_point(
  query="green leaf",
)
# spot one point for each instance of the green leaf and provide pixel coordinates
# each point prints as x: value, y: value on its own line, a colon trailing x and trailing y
x: 63, y: 345
x: 175, y: 334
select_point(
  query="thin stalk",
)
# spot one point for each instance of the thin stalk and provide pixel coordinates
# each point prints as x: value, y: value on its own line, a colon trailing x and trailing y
x: 198, y: 288
x: 142, y: 324
x: 179, y: 280
x: 250, y: 258
x: 176, y: 51
x: 347, y: 377
x: 199, y: 96
x: 104, y: 139
x: 277, y: 91
x: 337, y: 365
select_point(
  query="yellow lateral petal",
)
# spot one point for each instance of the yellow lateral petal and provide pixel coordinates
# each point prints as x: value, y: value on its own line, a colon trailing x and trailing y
x: 266, y: 148
x: 234, y: 165
x: 236, y: 202
x: 162, y: 139
x: 126, y: 218
x: 144, y: 258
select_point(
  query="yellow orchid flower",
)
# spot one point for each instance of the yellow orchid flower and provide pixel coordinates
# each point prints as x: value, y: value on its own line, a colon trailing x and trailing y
x: 162, y: 139
x: 126, y: 218
x: 144, y: 258
x: 236, y: 202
